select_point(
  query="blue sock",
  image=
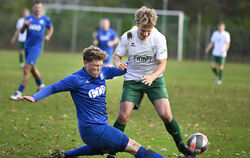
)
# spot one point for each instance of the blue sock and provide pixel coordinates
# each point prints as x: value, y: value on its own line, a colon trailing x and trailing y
x: 145, y: 153
x: 83, y: 150
x: 21, y: 88
x: 38, y: 81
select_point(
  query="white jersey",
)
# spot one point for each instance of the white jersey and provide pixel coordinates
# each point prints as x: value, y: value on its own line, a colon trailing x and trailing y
x: 19, y: 25
x: 142, y: 54
x: 220, y: 39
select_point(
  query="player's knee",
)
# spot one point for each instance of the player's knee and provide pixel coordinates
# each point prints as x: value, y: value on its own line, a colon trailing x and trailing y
x: 167, y: 118
x: 132, y: 146
x: 123, y: 118
x: 26, y: 69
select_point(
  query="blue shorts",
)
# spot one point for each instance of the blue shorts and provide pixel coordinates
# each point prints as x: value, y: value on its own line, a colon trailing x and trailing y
x: 104, y: 137
x: 108, y: 60
x: 31, y: 55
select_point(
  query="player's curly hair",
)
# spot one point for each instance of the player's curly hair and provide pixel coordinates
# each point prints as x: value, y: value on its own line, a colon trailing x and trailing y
x: 93, y: 53
x: 146, y: 16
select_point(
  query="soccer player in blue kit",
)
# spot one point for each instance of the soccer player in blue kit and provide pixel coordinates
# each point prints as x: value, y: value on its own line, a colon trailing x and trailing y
x: 35, y: 25
x: 106, y: 38
x: 88, y: 90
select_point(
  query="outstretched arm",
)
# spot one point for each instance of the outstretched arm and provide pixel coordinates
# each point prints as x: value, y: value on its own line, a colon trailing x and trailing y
x: 45, y: 92
x: 67, y: 84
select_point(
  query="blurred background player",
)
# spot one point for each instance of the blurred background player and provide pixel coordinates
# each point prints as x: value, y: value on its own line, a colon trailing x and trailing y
x: 35, y: 25
x: 106, y: 38
x: 146, y: 49
x: 21, y: 36
x: 88, y: 90
x: 220, y: 41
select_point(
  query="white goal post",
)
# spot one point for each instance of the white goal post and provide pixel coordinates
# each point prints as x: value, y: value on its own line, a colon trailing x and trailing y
x: 180, y: 15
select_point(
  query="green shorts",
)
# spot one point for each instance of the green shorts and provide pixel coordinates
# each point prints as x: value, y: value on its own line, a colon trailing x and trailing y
x: 219, y: 60
x: 21, y: 45
x: 133, y: 91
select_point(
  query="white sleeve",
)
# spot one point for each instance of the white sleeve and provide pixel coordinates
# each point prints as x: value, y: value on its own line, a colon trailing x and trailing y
x: 161, y: 48
x: 19, y: 24
x: 121, y: 47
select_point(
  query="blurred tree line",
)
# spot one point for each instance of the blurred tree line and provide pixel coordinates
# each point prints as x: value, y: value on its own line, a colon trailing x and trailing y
x: 233, y: 12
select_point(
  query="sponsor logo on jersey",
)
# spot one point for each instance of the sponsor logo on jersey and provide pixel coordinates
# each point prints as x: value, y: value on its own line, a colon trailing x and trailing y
x: 143, y: 59
x: 41, y: 21
x: 35, y: 27
x: 98, y: 91
x: 101, y: 76
x: 132, y: 44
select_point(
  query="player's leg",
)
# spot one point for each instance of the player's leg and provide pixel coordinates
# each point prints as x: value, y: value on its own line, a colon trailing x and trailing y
x: 21, y: 54
x: 107, y: 62
x: 221, y: 67
x: 37, y: 76
x: 139, y: 151
x: 26, y: 75
x: 108, y: 138
x: 213, y: 65
x: 157, y: 94
x: 131, y: 97
x: 125, y: 110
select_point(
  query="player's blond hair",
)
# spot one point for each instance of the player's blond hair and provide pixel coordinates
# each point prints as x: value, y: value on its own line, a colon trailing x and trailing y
x: 93, y: 53
x: 146, y: 17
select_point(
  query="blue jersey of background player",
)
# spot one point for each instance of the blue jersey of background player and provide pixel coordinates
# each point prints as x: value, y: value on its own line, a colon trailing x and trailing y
x: 35, y: 25
x: 88, y: 90
x: 35, y: 31
x: 106, y: 38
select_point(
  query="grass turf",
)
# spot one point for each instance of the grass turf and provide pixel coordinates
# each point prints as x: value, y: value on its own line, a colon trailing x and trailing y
x: 198, y: 104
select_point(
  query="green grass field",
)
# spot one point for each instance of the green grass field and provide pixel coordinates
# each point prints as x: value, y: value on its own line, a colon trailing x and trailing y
x: 199, y: 105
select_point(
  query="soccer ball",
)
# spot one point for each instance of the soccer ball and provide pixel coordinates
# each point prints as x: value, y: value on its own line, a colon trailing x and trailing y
x: 198, y: 143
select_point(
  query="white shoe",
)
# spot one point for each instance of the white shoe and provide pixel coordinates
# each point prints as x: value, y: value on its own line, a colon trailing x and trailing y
x: 219, y: 82
x: 40, y: 87
x: 21, y: 65
x: 16, y: 95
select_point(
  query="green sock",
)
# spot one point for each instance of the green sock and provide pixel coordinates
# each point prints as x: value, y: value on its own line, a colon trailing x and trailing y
x: 215, y: 71
x: 119, y: 126
x: 20, y: 58
x: 174, y: 130
x: 220, y: 74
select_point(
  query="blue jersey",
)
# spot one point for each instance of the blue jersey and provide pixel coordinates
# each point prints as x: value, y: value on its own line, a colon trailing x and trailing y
x: 104, y: 37
x: 88, y: 94
x: 35, y: 31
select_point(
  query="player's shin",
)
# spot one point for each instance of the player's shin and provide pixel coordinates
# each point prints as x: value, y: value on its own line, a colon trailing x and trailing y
x: 174, y: 130
x: 147, y: 153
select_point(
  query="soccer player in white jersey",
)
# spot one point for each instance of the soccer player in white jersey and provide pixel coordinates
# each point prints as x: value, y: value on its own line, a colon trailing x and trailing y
x: 220, y: 41
x: 146, y: 50
x: 20, y: 36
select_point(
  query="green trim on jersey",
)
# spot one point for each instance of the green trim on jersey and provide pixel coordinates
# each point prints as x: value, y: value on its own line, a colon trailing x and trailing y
x: 133, y: 91
x: 21, y: 45
x: 219, y: 60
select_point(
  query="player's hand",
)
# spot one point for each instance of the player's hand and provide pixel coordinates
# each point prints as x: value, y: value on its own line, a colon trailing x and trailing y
x: 110, y: 43
x: 47, y: 38
x: 12, y: 41
x: 29, y: 98
x: 206, y: 51
x: 122, y: 66
x: 27, y: 22
x: 147, y: 79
